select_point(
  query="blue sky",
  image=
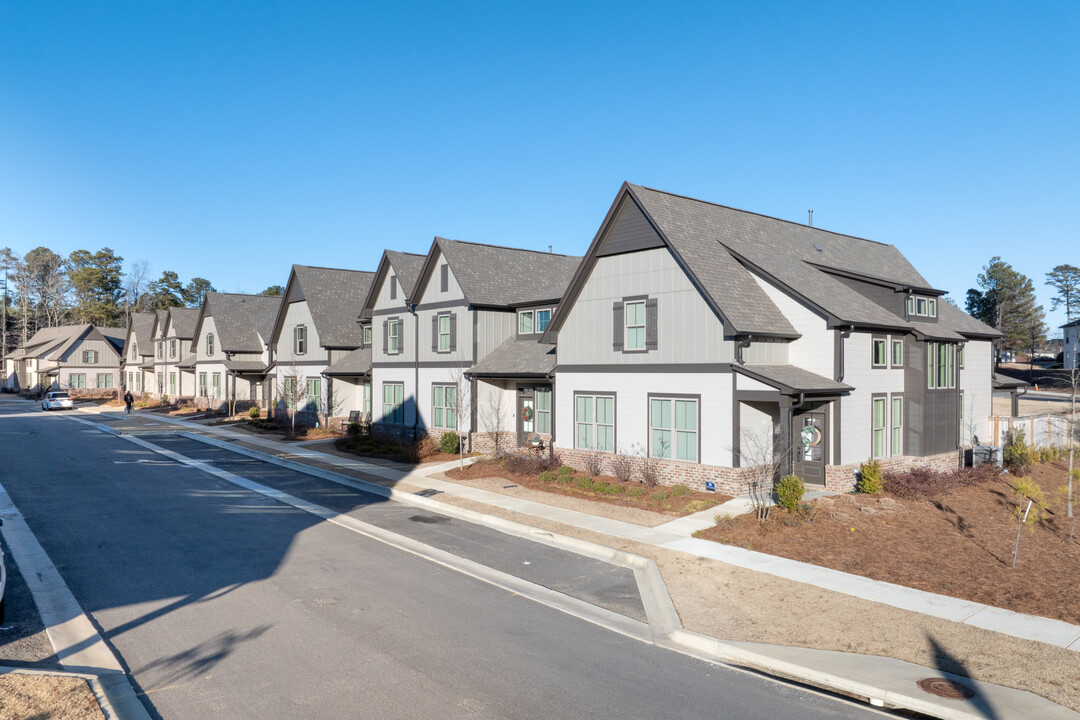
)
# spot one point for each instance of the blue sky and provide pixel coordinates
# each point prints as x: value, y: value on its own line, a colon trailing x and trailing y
x: 229, y: 140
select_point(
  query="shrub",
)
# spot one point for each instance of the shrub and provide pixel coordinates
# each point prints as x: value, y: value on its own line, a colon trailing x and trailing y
x: 1017, y: 453
x: 427, y: 446
x: 594, y: 463
x: 607, y: 488
x: 635, y: 492
x: 353, y: 430
x: 623, y: 467
x: 566, y: 470
x: 547, y: 476
x: 164, y: 399
x: 661, y: 495
x: 449, y: 442
x: 724, y: 520
x: 789, y: 492
x: 253, y: 412
x: 871, y: 479
x: 919, y: 483
x: 564, y: 479
x: 530, y: 463
x: 583, y: 483
x: 698, y: 505
x: 680, y: 490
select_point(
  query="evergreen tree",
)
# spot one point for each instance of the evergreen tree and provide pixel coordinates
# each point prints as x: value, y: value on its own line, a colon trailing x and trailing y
x: 196, y: 290
x: 1066, y: 280
x: 274, y: 291
x: 1006, y: 303
x: 166, y: 292
x: 98, y: 284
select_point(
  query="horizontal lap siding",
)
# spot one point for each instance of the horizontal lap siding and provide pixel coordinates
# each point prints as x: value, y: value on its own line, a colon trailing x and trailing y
x: 855, y: 416
x: 978, y: 394
x: 814, y: 350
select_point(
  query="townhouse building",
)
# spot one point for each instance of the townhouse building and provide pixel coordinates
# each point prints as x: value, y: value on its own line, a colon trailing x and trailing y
x: 315, y: 327
x: 710, y: 340
x: 174, y: 359
x: 70, y: 357
x: 231, y: 345
x: 138, y: 363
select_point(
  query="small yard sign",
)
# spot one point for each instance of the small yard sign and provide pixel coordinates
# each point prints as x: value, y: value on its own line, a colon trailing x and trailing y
x: 710, y: 486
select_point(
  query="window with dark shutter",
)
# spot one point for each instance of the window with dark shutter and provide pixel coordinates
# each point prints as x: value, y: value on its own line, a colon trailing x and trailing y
x: 453, y: 333
x: 617, y: 327
x: 444, y: 278
x: 386, y: 337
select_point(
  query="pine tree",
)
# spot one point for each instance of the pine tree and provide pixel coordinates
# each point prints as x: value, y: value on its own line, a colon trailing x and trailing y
x: 166, y: 292
x: 98, y: 283
x: 1066, y: 280
x: 1007, y: 303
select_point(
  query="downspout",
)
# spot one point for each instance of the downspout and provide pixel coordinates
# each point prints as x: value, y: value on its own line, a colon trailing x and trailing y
x: 740, y: 345
x: 844, y: 335
x: 959, y: 402
x: 416, y: 369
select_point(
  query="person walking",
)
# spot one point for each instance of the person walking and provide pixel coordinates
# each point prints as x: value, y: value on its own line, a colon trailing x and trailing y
x: 129, y: 400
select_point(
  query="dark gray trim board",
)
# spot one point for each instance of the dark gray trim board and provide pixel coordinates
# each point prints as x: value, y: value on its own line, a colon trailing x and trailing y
x: 440, y: 365
x: 647, y: 368
x: 389, y: 311
x: 736, y: 421
x: 649, y: 397
x: 443, y: 304
x: 767, y: 396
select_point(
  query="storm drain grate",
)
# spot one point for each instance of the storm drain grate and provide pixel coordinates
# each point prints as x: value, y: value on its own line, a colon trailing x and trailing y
x: 945, y: 688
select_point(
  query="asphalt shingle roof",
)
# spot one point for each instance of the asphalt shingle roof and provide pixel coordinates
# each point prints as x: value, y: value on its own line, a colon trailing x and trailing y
x: 718, y: 243
x: 507, y: 277
x: 791, y: 378
x: 353, y: 364
x: 517, y: 357
x: 335, y: 299
x: 407, y: 267
x: 142, y: 326
x: 243, y: 322
x: 182, y: 321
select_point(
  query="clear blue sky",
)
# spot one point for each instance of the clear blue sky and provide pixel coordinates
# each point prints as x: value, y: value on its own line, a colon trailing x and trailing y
x: 229, y: 140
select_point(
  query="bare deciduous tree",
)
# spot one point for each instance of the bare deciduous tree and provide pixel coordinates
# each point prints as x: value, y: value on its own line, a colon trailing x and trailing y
x: 764, y: 458
x: 493, y: 419
x: 292, y: 391
x: 136, y: 280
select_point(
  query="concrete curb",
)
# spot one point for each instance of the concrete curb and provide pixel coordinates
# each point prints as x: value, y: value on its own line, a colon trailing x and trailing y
x: 97, y: 685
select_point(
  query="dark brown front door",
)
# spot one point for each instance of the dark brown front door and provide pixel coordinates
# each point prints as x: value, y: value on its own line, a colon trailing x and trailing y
x: 526, y: 415
x: 809, y: 435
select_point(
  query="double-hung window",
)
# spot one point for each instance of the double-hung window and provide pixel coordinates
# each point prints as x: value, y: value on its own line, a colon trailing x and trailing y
x: 394, y: 403
x: 594, y: 419
x: 172, y: 384
x: 215, y: 385
x: 634, y: 319
x: 89, y: 357
x: 314, y: 395
x: 897, y: 424
x: 202, y: 384
x: 543, y: 317
x: 172, y: 348
x: 673, y: 428
x: 161, y: 349
x: 367, y: 336
x: 897, y: 353
x: 877, y: 428
x: 393, y: 337
x: 879, y: 358
x: 104, y: 380
x: 444, y: 407
x: 940, y: 365
x: 543, y: 410
x: 288, y: 390
x: 300, y: 340
x: 77, y: 381
x: 209, y: 343
x: 444, y: 333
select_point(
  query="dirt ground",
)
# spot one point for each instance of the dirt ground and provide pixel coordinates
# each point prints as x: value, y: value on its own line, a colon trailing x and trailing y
x: 665, y: 501
x: 733, y: 603
x: 958, y: 544
x: 34, y: 697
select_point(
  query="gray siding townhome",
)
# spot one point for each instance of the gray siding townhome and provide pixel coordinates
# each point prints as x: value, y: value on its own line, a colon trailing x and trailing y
x: 315, y: 327
x: 714, y: 340
x: 174, y: 360
x: 1071, y: 351
x: 70, y: 357
x: 138, y: 367
x: 232, y: 349
x: 384, y: 368
x: 470, y: 304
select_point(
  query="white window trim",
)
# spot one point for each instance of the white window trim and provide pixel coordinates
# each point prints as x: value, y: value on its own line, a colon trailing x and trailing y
x: 442, y: 334
x: 393, y: 337
x: 532, y: 322
x: 627, y: 327
x: 896, y: 424
x: 449, y: 411
x: 592, y: 398
x: 883, y: 428
x: 673, y: 450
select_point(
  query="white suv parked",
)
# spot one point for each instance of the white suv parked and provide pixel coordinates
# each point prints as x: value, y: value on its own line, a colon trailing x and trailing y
x: 56, y: 400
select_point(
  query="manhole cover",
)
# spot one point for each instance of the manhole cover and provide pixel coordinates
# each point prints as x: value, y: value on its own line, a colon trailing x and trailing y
x: 945, y: 688
x: 429, y: 519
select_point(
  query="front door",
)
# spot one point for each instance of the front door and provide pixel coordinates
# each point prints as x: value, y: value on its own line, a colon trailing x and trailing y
x: 526, y: 415
x: 809, y: 437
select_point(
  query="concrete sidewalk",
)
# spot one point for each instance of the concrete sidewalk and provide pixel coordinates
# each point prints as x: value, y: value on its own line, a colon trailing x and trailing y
x: 882, y: 681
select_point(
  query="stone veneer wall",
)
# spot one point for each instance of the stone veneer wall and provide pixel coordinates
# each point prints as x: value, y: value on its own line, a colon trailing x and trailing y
x: 732, y: 481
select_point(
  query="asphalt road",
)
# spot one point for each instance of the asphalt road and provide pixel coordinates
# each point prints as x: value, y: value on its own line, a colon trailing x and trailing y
x: 222, y: 603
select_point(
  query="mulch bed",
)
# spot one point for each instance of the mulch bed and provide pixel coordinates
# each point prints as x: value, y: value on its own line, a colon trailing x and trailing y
x: 958, y: 543
x: 659, y: 499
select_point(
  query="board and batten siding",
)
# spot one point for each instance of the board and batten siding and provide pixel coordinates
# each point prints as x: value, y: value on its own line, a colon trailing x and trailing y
x: 975, y: 382
x: 444, y: 376
x: 493, y: 328
x: 688, y: 331
x: 814, y: 350
x: 298, y: 313
x: 433, y: 291
x: 632, y: 392
x: 855, y: 415
x: 105, y: 352
x: 460, y: 335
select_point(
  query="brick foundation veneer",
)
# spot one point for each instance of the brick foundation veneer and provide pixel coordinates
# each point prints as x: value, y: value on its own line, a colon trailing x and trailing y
x: 732, y: 481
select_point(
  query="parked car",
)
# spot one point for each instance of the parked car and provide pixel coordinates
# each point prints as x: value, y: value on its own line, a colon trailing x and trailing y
x: 56, y: 400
